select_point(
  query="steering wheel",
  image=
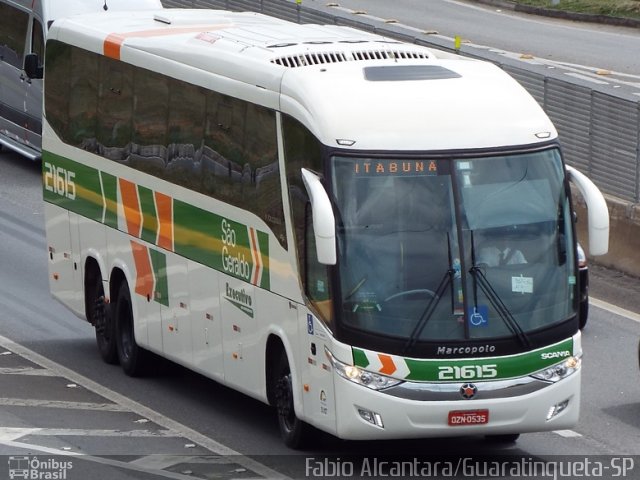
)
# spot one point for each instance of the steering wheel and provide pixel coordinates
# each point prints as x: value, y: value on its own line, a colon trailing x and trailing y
x: 411, y: 292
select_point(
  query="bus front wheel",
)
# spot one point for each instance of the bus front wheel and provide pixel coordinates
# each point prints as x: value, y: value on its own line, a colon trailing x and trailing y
x: 294, y: 432
x: 132, y: 358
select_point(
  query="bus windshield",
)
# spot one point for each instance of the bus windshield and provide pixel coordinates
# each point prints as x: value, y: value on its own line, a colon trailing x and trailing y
x: 453, y: 249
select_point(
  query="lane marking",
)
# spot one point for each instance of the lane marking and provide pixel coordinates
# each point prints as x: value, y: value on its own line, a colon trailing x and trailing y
x: 92, y: 432
x: 567, y: 433
x: 39, y: 372
x: 135, y: 407
x: 11, y: 434
x: 614, y: 309
x: 27, y: 402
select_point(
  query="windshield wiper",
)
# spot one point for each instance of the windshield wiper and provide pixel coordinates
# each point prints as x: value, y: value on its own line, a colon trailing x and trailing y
x: 431, y: 306
x: 503, y: 311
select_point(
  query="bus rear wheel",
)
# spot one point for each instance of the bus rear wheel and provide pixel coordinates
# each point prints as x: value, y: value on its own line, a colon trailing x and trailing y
x: 104, y: 324
x: 294, y: 432
x: 131, y: 356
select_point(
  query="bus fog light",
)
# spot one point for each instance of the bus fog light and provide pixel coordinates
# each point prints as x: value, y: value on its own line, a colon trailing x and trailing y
x: 557, y: 408
x: 371, y: 417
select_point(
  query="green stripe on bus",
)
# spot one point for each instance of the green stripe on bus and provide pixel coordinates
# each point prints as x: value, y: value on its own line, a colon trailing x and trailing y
x: 149, y: 216
x: 110, y: 192
x: 360, y: 358
x: 72, y: 186
x: 159, y: 266
x: 263, y: 241
x: 199, y: 235
x: 512, y: 366
x: 194, y: 231
x: 218, y: 242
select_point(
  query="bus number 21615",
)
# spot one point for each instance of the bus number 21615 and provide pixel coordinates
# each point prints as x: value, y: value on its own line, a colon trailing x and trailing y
x: 59, y: 181
x: 467, y: 372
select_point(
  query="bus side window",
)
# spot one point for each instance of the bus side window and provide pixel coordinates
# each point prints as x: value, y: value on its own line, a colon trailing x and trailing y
x: 58, y: 87
x: 316, y: 274
x: 83, y: 104
x: 115, y: 108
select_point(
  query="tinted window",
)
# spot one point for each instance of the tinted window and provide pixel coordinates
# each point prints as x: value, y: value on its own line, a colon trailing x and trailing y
x: 37, y: 40
x: 57, y: 89
x: 303, y: 150
x: 83, y: 104
x: 211, y: 143
x: 115, y: 109
x: 14, y: 24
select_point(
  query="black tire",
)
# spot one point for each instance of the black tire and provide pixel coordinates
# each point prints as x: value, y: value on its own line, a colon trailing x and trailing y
x: 505, y: 438
x: 102, y: 319
x: 294, y: 432
x: 132, y: 358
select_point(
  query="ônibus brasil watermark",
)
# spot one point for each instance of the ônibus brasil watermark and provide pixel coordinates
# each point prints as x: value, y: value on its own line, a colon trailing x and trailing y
x: 34, y: 468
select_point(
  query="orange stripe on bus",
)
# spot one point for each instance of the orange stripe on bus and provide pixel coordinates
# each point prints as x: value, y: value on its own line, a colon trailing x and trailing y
x: 144, y: 272
x: 112, y: 46
x: 164, y: 207
x: 254, y: 246
x: 113, y: 42
x: 388, y: 366
x: 131, y: 206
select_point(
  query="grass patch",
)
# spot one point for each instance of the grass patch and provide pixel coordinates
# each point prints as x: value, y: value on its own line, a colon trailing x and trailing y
x: 614, y: 8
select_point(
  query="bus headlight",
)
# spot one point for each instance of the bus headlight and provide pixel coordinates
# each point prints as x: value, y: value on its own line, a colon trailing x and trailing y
x: 354, y: 374
x: 559, y: 371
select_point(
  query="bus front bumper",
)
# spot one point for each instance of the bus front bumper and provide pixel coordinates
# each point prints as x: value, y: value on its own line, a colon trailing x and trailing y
x: 366, y: 414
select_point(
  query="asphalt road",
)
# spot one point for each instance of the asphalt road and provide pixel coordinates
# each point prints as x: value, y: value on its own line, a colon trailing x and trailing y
x: 603, y: 53
x: 57, y: 397
x: 598, y: 45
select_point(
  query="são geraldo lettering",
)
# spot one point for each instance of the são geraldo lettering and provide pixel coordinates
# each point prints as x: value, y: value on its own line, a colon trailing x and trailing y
x: 233, y: 262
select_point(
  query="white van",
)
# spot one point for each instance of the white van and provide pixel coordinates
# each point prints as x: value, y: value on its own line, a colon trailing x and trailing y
x: 23, y: 28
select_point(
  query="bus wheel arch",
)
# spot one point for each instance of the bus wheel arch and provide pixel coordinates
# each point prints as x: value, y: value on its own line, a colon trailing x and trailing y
x: 280, y: 393
x: 98, y: 312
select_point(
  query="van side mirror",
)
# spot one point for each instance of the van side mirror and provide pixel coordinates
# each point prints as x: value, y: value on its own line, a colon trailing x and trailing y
x: 32, y: 66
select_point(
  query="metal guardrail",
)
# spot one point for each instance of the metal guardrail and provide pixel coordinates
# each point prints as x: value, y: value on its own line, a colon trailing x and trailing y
x: 599, y: 130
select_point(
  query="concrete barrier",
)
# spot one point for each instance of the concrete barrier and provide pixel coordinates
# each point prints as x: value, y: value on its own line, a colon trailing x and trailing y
x: 624, y: 235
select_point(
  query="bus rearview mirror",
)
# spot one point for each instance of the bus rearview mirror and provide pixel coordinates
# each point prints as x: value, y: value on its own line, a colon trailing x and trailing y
x: 324, y: 225
x: 597, y: 212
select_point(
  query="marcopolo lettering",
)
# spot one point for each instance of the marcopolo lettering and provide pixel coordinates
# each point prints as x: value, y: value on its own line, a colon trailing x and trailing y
x: 468, y: 350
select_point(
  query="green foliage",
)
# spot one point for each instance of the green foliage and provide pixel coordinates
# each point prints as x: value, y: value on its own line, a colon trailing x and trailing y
x: 615, y: 8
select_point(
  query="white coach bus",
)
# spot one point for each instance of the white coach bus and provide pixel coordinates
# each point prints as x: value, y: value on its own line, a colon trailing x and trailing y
x: 373, y: 237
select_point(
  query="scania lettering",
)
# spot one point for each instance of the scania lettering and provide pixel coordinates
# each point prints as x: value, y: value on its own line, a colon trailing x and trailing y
x: 373, y: 237
x: 564, y: 354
